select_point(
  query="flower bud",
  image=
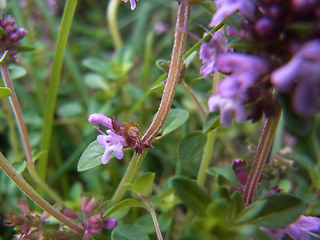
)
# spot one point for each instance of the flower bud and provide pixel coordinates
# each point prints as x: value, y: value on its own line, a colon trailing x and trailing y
x: 239, y: 168
x: 88, y: 206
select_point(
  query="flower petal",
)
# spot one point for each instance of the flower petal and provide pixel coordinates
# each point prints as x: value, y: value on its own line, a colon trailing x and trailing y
x: 97, y: 118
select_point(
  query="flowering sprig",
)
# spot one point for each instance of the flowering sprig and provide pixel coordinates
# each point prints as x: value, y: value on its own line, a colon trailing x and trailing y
x: 94, y: 224
x: 284, y: 59
x: 10, y: 38
x: 117, y: 136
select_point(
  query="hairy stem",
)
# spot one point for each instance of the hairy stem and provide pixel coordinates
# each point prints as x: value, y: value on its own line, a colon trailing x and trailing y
x: 174, y: 72
x: 35, y: 197
x: 130, y: 175
x: 18, y: 114
x: 155, y: 222
x: 261, y: 156
x: 24, y: 137
x: 112, y: 10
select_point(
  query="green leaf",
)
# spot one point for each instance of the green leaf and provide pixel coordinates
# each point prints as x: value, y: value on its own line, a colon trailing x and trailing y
x: 19, y: 166
x: 190, y: 58
x: 252, y: 232
x: 128, y: 232
x: 91, y: 157
x: 176, y: 118
x: 191, y: 194
x: 2, y: 33
x: 236, y: 205
x: 163, y: 65
x: 25, y: 48
x: 101, y: 66
x: 130, y: 202
x: 212, y: 122
x: 297, y: 125
x: 164, y: 195
x: 314, y: 173
x: 95, y: 81
x: 191, y: 146
x: 17, y: 71
x: 225, y: 171
x: 70, y: 109
x: 143, y: 184
x: 5, y: 92
x: 273, y: 211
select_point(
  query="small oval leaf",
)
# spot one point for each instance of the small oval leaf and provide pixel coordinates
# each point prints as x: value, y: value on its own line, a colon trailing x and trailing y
x: 212, y: 122
x: 91, y: 157
x: 176, y: 118
x: 273, y: 211
x: 128, y: 232
x: 143, y: 184
x: 5, y: 92
x: 191, y: 194
x: 130, y: 202
x: 25, y: 48
x: 191, y: 146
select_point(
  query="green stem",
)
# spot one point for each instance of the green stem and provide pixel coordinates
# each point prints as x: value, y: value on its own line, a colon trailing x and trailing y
x: 24, y: 137
x: 54, y: 83
x: 260, y: 157
x: 195, y: 99
x: 314, y: 142
x: 112, y: 11
x: 174, y: 72
x: 35, y: 197
x: 206, y: 157
x: 130, y: 175
x: 155, y: 222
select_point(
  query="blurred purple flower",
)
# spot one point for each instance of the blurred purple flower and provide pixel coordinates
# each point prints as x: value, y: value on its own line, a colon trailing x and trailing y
x: 299, y: 230
x: 132, y: 3
x: 228, y: 107
x: 227, y: 7
x: 242, y: 71
x: 304, y: 71
x: 160, y: 28
x: 210, y: 51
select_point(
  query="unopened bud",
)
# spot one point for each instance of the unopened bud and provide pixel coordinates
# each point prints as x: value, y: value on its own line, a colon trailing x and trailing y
x: 239, y: 168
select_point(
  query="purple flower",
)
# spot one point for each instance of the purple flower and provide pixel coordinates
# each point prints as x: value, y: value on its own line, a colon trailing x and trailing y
x: 243, y: 71
x: 113, y: 143
x: 227, y: 7
x: 97, y: 118
x: 228, y: 107
x: 299, y: 230
x: 210, y: 51
x: 132, y: 3
x: 10, y: 41
x: 303, y: 70
x: 118, y: 136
